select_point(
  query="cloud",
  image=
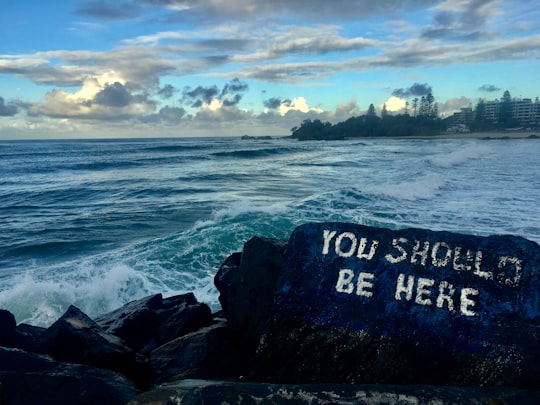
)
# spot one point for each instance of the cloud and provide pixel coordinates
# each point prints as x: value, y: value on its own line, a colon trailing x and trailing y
x: 193, y: 10
x: 300, y: 40
x: 199, y: 95
x: 489, y: 88
x: 7, y: 110
x: 230, y: 94
x: 234, y: 86
x: 114, y: 95
x: 394, y: 104
x: 417, y: 89
x: 291, y: 72
x: 105, y: 97
x: 463, y: 20
x: 296, y: 104
x: 167, y: 115
x: 273, y: 103
x: 452, y: 105
x: 346, y: 110
x: 108, y: 10
x: 167, y: 91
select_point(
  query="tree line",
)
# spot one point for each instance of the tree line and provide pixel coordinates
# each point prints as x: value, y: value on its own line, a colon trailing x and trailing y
x: 420, y: 118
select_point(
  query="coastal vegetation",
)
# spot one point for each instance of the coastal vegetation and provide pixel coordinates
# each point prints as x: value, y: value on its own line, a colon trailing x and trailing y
x: 419, y: 118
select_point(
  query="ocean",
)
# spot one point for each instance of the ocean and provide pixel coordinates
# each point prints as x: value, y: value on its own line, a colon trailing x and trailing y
x: 98, y: 223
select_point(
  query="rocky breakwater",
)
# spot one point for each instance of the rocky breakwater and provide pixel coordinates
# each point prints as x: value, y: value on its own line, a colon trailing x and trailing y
x: 339, y: 313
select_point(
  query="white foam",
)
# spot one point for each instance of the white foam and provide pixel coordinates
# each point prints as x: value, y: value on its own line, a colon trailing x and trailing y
x: 247, y: 206
x: 421, y: 188
x: 458, y: 157
x: 41, y: 299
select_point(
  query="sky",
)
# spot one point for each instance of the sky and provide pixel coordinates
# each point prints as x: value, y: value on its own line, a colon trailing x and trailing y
x: 159, y: 68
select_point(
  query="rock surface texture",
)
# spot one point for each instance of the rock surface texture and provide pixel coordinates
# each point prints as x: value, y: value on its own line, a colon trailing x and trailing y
x: 408, y: 307
x: 340, y: 313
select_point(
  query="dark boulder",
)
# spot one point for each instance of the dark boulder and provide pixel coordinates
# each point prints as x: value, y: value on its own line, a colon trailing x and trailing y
x: 252, y: 287
x: 32, y: 379
x: 195, y: 392
x: 75, y: 338
x: 7, y: 328
x: 222, y: 279
x: 22, y: 336
x: 358, y: 304
x: 207, y: 353
x: 28, y: 337
x: 152, y: 321
x: 135, y: 322
x: 180, y: 315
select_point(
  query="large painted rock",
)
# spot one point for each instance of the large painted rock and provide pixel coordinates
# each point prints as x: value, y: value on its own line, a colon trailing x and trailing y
x: 362, y: 304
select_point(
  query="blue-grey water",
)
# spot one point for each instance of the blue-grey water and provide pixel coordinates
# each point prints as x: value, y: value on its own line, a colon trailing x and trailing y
x: 97, y: 223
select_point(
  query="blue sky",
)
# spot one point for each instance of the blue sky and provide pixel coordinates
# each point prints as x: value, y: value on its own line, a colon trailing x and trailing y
x: 230, y: 67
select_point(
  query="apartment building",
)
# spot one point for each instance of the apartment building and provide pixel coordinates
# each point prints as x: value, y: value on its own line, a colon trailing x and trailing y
x: 525, y: 111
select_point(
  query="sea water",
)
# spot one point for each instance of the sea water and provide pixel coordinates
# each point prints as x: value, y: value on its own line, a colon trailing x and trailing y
x: 98, y: 223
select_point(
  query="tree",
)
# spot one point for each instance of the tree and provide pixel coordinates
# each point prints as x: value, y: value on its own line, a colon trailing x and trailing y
x: 423, y: 107
x: 415, y: 106
x: 505, y: 111
x: 384, y: 111
x: 435, y: 111
x: 480, y: 111
x: 428, y: 108
x: 371, y: 111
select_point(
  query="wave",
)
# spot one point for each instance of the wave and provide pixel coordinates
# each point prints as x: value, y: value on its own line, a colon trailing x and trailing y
x: 458, y: 157
x: 254, y: 153
x: 102, y: 166
x: 175, y: 148
x: 95, y: 289
x: 424, y: 187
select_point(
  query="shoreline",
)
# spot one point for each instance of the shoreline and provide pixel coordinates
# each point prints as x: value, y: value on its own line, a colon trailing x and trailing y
x: 477, y: 135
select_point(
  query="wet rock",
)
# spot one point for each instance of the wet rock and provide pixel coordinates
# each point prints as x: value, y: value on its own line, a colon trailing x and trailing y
x: 207, y: 353
x: 195, y: 392
x: 153, y: 321
x: 222, y: 279
x: 7, y: 328
x: 28, y: 337
x: 29, y: 378
x: 136, y: 322
x: 180, y: 315
x: 75, y: 338
x: 358, y: 304
x: 252, y: 288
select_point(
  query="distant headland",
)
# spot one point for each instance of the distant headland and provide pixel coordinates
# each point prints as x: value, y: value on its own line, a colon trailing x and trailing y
x: 508, y: 117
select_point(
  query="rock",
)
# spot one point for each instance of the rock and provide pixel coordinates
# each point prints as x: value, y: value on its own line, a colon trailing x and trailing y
x: 28, y: 337
x: 195, y: 392
x: 136, y: 322
x: 356, y: 304
x: 32, y: 379
x: 222, y: 279
x: 75, y: 338
x: 252, y: 288
x: 207, y: 353
x: 180, y: 315
x: 22, y: 336
x: 153, y: 321
x: 7, y: 328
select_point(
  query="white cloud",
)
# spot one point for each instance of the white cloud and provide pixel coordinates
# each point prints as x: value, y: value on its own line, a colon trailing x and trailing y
x: 92, y: 85
x: 394, y: 104
x: 214, y: 105
x: 297, y: 104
